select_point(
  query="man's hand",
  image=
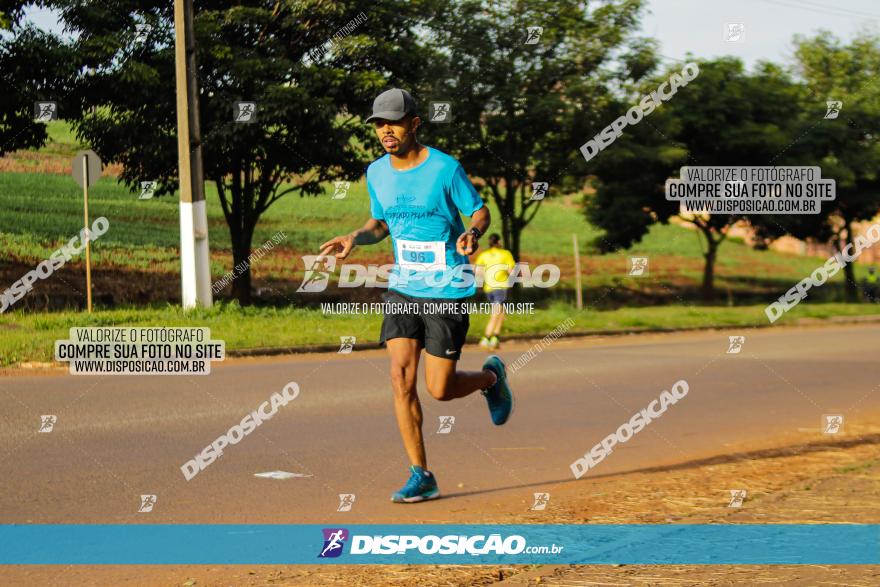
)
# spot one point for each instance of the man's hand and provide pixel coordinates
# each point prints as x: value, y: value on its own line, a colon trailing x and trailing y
x: 466, y: 243
x: 340, y: 246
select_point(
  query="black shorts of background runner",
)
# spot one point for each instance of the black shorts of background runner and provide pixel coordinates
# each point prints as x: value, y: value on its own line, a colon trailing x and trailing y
x: 497, y: 296
x: 442, y: 334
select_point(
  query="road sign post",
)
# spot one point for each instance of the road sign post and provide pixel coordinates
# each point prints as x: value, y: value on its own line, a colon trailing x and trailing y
x: 86, y: 168
x: 579, y: 300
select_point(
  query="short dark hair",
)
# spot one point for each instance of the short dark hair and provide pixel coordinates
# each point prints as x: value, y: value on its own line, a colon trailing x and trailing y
x: 494, y: 239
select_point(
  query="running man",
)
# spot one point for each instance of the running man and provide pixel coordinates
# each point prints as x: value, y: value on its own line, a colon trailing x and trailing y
x: 417, y: 195
x: 498, y: 263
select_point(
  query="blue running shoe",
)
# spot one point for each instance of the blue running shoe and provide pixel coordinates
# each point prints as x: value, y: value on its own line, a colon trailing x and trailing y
x: 421, y: 486
x: 499, y: 396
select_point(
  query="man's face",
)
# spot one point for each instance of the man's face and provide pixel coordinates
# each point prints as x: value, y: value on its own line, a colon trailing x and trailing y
x: 397, y: 136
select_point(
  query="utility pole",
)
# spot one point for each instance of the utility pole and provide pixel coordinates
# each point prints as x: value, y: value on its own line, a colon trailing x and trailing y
x: 577, y: 273
x: 195, y: 272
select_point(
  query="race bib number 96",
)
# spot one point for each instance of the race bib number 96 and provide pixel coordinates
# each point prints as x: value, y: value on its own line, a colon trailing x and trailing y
x: 421, y: 255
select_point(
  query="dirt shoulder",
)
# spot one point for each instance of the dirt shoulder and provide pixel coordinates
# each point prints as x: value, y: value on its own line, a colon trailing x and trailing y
x: 801, y: 478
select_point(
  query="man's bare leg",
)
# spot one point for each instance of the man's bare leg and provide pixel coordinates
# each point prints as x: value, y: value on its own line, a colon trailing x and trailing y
x: 497, y: 320
x: 445, y: 383
x: 404, y: 353
x: 490, y: 326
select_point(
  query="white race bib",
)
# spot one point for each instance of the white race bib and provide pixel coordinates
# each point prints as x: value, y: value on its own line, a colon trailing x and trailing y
x: 421, y: 255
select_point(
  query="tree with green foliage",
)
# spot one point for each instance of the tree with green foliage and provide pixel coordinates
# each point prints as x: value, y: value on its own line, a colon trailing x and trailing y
x: 726, y: 116
x: 847, y: 148
x: 34, y: 66
x: 524, y: 86
x: 311, y: 68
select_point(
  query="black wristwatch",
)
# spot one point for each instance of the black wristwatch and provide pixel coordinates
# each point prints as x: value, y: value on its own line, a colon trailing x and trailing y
x: 476, y: 232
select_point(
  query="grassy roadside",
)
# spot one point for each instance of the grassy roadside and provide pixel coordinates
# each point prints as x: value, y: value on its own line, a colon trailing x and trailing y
x: 39, y: 212
x: 31, y: 336
x: 42, y: 208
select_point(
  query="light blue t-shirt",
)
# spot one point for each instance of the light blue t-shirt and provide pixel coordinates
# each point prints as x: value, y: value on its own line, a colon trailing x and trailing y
x: 422, y: 208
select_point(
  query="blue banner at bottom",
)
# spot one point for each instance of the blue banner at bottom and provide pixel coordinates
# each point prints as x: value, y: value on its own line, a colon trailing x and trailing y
x: 742, y: 544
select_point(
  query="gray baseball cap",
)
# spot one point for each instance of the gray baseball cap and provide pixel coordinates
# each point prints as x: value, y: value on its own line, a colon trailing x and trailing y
x: 392, y: 104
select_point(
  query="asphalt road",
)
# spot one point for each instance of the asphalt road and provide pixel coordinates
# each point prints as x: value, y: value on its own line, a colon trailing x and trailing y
x: 118, y: 437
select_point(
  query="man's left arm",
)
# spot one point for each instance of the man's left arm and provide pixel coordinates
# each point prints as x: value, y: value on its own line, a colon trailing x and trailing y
x: 467, y: 242
x: 465, y: 197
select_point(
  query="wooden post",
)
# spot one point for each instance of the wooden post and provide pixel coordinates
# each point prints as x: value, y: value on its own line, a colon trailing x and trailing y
x: 577, y: 272
x: 88, y: 232
x: 195, y: 263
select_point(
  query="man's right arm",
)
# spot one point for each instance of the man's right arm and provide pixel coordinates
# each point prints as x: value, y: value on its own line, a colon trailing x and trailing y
x: 373, y: 231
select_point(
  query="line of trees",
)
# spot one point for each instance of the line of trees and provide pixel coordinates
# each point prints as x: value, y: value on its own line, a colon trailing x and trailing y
x: 526, y: 86
x: 771, y: 116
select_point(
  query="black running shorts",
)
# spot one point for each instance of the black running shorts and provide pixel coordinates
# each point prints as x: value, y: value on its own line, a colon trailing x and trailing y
x: 442, y: 333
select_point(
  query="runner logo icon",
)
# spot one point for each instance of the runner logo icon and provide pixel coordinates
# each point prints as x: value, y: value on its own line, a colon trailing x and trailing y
x: 446, y: 423
x: 147, y: 503
x: 341, y: 190
x: 346, y: 344
x: 737, y: 497
x: 346, y: 501
x: 47, y: 422
x: 541, y: 501
x: 334, y: 541
x: 735, y: 344
x: 834, y: 107
x: 539, y: 190
x: 833, y: 423
x: 638, y: 266
x: 318, y: 270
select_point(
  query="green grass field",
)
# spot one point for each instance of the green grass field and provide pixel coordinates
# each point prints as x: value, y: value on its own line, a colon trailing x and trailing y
x: 31, y: 336
x: 40, y: 211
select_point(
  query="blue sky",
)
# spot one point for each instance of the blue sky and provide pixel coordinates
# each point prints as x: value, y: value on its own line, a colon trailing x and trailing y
x: 700, y: 26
